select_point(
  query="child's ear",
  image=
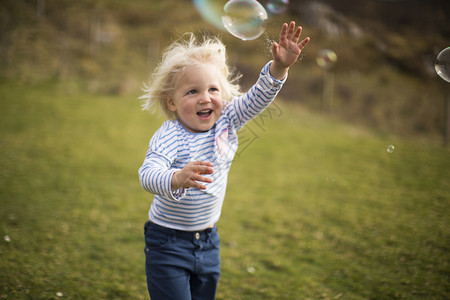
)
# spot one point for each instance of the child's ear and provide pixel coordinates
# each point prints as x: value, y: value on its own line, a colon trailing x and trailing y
x: 170, y: 104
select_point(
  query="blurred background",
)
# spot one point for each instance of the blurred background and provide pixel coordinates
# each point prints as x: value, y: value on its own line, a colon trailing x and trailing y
x: 384, y: 76
x: 339, y: 190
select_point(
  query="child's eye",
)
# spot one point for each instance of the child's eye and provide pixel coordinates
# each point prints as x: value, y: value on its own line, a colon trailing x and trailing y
x: 191, y: 92
x: 213, y: 89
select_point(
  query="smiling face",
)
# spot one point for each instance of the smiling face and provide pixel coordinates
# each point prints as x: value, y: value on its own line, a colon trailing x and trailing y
x: 197, y: 98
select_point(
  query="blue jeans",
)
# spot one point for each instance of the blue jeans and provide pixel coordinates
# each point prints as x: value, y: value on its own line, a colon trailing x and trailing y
x: 181, y: 265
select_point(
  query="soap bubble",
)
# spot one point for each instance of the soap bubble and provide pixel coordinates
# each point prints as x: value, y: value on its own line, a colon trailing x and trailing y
x: 245, y: 19
x: 251, y: 269
x: 277, y: 6
x: 211, y: 11
x: 326, y: 58
x: 442, y: 64
x: 390, y: 149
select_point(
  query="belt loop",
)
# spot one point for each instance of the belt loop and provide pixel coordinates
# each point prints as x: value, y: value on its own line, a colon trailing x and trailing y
x: 173, y: 235
x: 209, y: 232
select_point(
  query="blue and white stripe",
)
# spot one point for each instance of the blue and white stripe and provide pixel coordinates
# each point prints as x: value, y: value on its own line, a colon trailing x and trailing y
x: 172, y: 147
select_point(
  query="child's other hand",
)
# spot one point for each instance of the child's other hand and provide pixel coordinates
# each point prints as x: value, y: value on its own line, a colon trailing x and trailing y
x: 286, y: 52
x: 191, y: 175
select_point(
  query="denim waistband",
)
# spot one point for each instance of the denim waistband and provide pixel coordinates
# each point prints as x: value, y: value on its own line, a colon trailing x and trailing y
x: 189, y: 235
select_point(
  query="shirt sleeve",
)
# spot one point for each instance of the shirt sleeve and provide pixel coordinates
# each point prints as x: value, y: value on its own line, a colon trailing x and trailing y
x: 155, y: 174
x: 258, y: 97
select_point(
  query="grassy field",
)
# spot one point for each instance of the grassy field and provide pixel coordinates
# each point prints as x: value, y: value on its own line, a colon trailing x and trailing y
x: 315, y: 209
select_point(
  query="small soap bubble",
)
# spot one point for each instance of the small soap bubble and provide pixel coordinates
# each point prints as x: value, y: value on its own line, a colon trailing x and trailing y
x: 326, y: 58
x: 245, y: 19
x: 442, y: 64
x: 277, y: 6
x: 251, y: 269
x: 7, y: 238
x: 59, y: 294
x: 390, y: 149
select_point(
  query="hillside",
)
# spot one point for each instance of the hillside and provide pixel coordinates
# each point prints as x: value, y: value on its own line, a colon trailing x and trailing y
x: 407, y: 33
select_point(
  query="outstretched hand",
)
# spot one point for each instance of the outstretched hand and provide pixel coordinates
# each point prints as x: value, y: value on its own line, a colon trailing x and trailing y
x: 191, y: 175
x: 286, y: 52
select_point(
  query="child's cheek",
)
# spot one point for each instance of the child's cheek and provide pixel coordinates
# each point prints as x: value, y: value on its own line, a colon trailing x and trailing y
x: 218, y: 102
x: 187, y: 110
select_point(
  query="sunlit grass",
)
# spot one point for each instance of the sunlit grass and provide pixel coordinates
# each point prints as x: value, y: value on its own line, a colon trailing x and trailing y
x: 315, y: 209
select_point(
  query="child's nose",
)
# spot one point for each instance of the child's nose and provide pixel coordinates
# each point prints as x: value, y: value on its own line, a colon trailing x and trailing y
x: 204, y: 98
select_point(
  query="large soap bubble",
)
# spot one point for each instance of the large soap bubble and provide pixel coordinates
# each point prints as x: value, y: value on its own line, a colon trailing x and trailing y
x: 245, y: 19
x: 442, y: 64
x: 211, y: 11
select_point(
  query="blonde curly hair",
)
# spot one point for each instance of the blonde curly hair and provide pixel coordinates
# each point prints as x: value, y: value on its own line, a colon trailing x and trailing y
x: 188, y: 51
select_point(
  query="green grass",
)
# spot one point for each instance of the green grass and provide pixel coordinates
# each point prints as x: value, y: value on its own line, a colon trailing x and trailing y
x: 315, y: 209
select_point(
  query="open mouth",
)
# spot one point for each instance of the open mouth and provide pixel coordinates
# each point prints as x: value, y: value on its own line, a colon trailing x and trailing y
x: 203, y: 114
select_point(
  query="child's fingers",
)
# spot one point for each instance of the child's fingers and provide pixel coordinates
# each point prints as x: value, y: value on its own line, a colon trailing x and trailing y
x: 200, y: 187
x: 194, y: 184
x: 303, y: 43
x: 290, y: 31
x: 193, y: 180
x: 203, y: 167
x: 196, y: 179
x: 201, y: 178
x: 202, y: 163
x: 297, y: 34
x: 274, y: 49
x: 199, y: 168
x: 283, y: 31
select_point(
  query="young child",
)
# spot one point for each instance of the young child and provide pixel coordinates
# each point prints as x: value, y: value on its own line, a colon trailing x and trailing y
x: 188, y: 160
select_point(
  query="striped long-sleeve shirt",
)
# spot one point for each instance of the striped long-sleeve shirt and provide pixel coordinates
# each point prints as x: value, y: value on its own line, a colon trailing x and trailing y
x: 172, y: 147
